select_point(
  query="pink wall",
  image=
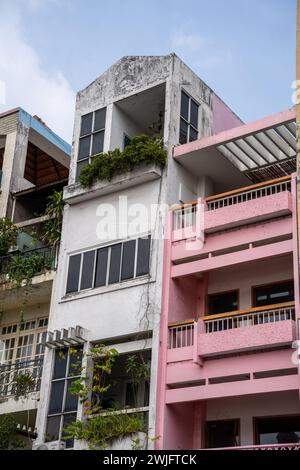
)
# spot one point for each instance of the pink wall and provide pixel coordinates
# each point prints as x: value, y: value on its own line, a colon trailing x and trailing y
x: 223, y: 117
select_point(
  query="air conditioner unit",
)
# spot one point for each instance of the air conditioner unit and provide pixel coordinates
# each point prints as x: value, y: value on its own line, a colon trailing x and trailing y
x: 54, y: 445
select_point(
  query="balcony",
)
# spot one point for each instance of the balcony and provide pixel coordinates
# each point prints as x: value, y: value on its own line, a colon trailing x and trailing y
x: 20, y: 378
x: 45, y: 255
x: 235, y: 208
x: 252, y: 329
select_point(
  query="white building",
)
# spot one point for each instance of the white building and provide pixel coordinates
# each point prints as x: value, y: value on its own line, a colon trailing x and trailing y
x: 111, y: 285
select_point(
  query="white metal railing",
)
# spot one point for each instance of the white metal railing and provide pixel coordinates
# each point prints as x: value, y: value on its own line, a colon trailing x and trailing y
x: 181, y: 336
x: 248, y: 195
x: 249, y: 319
x: 10, y: 383
x: 184, y: 217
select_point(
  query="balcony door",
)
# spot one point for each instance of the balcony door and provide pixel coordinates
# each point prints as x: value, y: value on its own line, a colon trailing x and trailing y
x: 225, y: 433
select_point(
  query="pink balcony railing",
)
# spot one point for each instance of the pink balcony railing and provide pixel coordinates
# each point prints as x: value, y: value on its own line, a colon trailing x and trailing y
x: 250, y: 317
x: 185, y: 216
x: 181, y: 335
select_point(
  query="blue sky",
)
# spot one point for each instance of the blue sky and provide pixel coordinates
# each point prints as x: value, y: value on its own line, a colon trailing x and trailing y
x: 49, y: 49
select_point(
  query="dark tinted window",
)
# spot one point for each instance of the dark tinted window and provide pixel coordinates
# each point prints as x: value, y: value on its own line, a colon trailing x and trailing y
x: 143, y: 255
x: 222, y: 433
x: 71, y: 399
x: 183, y: 132
x: 98, y: 140
x: 128, y: 260
x: 56, y: 398
x: 75, y: 362
x: 278, y: 430
x: 87, y: 272
x: 194, y: 114
x: 99, y: 122
x: 73, y: 273
x: 67, y: 420
x: 224, y: 302
x: 80, y: 165
x: 114, y: 267
x: 53, y: 427
x: 60, y: 363
x: 184, y: 111
x: 274, y: 294
x: 193, y: 135
x: 84, y: 147
x: 86, y: 124
x: 101, y: 267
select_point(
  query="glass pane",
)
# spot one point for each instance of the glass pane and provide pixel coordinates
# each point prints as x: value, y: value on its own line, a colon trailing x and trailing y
x: 75, y: 362
x: 87, y: 273
x: 128, y: 260
x: 52, y: 430
x: 183, y: 132
x: 278, y: 430
x: 101, y: 267
x: 56, y: 397
x: 60, y: 363
x: 81, y: 165
x: 98, y: 140
x: 184, y: 110
x: 193, y: 135
x: 67, y: 420
x: 71, y: 402
x: 224, y: 302
x: 84, y: 147
x: 222, y: 433
x: 86, y: 124
x: 73, y: 273
x: 131, y: 395
x: 194, y: 114
x: 143, y: 256
x: 274, y: 294
x: 115, y: 260
x: 99, y: 122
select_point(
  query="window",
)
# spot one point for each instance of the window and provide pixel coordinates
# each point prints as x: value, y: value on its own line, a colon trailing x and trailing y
x: 22, y: 351
x: 188, y: 119
x: 91, y: 138
x: 277, y: 430
x: 222, y: 433
x: 223, y: 302
x: 273, y: 294
x: 63, y: 404
x: 126, y: 141
x: 109, y: 265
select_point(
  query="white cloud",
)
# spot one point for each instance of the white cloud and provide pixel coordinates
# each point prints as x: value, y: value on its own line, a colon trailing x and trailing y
x: 202, y: 52
x: 28, y: 84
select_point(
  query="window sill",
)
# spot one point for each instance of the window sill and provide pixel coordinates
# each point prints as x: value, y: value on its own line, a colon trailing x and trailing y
x: 111, y: 288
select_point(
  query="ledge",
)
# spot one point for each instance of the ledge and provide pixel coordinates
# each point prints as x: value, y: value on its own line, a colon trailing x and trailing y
x: 75, y: 193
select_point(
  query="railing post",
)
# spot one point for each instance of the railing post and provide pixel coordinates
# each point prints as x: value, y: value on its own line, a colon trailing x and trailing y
x: 196, y: 358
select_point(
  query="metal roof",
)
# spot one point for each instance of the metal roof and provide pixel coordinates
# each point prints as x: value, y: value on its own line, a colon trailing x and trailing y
x: 262, y: 150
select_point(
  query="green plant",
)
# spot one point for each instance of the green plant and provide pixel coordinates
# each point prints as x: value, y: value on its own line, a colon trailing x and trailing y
x: 8, y: 430
x: 24, y: 268
x: 100, y: 426
x: 141, y: 149
x: 53, y: 226
x: 22, y: 385
x: 8, y: 235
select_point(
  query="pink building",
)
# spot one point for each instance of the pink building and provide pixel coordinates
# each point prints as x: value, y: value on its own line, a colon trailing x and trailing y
x: 229, y: 374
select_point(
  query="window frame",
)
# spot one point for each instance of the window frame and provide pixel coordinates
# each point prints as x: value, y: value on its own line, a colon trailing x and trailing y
x: 238, y: 422
x: 222, y: 293
x: 108, y: 285
x: 269, y: 284
x: 255, y: 423
x: 188, y: 122
x: 65, y: 379
x: 91, y: 134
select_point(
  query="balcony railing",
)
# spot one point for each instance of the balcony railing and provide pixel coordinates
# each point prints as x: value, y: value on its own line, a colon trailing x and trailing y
x: 12, y: 385
x: 248, y: 193
x: 249, y: 317
x: 279, y: 446
x: 47, y: 253
x: 181, y: 335
x: 185, y: 216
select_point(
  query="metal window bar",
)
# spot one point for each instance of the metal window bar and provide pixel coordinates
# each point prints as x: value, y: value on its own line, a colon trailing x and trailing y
x: 9, y: 373
x: 181, y: 336
x: 249, y: 319
x: 48, y: 253
x: 249, y: 195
